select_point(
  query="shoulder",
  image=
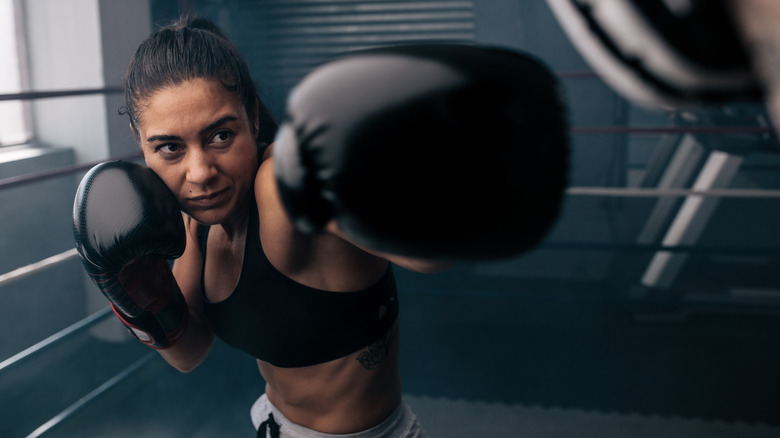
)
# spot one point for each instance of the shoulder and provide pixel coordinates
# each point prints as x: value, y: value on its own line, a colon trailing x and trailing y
x: 277, y: 234
x: 280, y: 237
x: 269, y: 203
x: 322, y: 260
x: 265, y: 178
x: 265, y: 172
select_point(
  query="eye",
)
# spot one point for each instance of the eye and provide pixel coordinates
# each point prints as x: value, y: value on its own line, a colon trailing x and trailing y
x: 222, y: 137
x: 168, y: 149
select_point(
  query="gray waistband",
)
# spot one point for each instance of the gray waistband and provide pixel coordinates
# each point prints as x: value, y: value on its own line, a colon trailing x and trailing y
x: 401, y: 423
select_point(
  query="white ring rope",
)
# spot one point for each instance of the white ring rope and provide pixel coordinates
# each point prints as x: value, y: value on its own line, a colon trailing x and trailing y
x: 626, y: 192
x: 37, y: 266
x: 572, y: 191
x: 648, y: 192
x: 71, y: 253
x: 60, y: 335
x: 95, y: 393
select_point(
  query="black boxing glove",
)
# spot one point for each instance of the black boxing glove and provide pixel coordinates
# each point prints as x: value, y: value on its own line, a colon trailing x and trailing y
x: 661, y: 54
x: 127, y: 224
x: 439, y: 151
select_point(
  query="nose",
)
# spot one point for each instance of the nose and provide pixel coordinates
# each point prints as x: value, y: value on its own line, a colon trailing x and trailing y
x: 201, y: 169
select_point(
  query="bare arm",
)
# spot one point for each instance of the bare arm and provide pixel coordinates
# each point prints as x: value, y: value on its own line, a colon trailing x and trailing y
x: 196, y: 342
x: 334, y: 248
x: 410, y: 263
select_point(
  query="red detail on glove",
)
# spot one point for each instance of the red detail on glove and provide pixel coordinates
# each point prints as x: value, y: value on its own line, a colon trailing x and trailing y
x: 148, y: 281
x: 145, y: 338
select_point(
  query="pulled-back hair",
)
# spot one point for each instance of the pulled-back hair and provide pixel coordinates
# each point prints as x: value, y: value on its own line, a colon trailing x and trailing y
x: 193, y: 48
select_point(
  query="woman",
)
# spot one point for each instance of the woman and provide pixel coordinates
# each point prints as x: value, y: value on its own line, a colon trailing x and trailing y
x: 203, y: 131
x: 378, y: 146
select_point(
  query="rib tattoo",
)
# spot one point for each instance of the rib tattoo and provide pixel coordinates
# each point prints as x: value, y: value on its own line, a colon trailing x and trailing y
x: 377, y: 352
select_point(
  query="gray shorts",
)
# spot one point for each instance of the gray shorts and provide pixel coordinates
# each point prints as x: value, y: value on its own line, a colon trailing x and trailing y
x: 402, y: 423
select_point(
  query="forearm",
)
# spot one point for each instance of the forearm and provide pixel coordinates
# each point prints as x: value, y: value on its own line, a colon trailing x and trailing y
x: 410, y: 263
x: 193, y: 347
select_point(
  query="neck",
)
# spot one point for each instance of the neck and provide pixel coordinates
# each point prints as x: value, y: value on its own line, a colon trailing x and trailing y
x: 235, y: 227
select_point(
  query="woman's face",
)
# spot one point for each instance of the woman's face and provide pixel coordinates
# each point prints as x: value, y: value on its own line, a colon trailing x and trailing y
x: 196, y: 136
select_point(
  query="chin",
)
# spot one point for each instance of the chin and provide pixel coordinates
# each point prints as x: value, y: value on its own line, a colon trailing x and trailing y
x: 207, y: 218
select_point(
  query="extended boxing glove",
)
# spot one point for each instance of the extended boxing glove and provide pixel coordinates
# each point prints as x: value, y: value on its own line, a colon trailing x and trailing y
x: 127, y: 224
x: 661, y: 54
x: 439, y: 151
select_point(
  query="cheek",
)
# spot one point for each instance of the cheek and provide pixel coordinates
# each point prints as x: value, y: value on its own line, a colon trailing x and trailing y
x: 168, y: 174
x: 242, y: 174
x: 245, y: 165
x: 250, y: 167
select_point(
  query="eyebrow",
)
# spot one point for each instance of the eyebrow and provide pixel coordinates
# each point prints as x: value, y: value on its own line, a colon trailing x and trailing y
x: 217, y: 123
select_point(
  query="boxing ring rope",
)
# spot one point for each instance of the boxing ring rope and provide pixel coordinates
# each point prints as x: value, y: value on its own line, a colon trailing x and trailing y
x: 87, y: 322
x: 37, y: 266
x: 92, y: 395
x: 32, y: 95
x: 626, y: 192
x: 632, y: 192
x: 77, y: 327
x: 62, y: 335
x: 117, y: 89
x: 102, y: 314
x: 7, y: 183
x: 583, y: 74
x: 659, y: 130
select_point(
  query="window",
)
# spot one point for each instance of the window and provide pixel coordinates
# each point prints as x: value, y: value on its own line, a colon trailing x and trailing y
x: 13, y: 125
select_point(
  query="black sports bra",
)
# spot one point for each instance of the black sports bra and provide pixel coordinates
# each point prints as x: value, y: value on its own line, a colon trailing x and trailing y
x: 287, y: 324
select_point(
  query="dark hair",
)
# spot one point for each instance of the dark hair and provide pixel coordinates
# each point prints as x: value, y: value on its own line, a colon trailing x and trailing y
x: 187, y: 49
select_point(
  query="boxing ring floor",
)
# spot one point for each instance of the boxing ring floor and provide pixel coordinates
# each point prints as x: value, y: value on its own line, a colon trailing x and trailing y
x: 511, y: 359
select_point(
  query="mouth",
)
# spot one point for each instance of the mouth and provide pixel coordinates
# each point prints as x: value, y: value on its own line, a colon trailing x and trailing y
x: 209, y: 200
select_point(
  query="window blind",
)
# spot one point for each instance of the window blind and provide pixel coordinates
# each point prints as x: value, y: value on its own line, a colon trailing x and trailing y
x: 285, y: 39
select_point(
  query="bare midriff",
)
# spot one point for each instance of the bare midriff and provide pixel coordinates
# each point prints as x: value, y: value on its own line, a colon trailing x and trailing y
x: 346, y: 395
